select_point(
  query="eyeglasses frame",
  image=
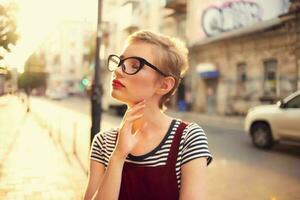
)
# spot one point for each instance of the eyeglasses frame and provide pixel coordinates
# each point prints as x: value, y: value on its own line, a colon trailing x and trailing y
x: 142, y: 61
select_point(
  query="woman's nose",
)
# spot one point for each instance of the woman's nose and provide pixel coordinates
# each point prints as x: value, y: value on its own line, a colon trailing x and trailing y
x: 119, y: 72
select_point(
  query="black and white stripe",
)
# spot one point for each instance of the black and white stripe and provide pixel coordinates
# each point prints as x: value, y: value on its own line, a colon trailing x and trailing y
x: 193, y: 145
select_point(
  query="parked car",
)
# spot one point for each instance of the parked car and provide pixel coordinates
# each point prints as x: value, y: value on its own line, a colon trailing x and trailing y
x: 269, y: 124
x: 56, y: 94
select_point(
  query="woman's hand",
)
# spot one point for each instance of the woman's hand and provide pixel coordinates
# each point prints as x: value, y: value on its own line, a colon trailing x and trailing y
x: 127, y: 139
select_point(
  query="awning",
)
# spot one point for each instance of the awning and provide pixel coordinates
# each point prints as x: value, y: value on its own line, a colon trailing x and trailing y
x: 207, y: 70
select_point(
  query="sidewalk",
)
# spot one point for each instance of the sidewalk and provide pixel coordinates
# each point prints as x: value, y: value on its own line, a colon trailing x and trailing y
x: 203, y: 119
x: 32, y: 166
x: 220, y: 121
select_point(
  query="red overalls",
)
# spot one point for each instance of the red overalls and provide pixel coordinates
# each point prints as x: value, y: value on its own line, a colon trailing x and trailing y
x: 152, y: 183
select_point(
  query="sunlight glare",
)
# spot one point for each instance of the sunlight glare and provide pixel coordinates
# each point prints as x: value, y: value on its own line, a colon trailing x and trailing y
x: 38, y: 18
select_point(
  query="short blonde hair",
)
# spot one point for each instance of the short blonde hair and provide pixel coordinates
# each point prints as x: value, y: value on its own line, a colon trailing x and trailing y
x: 172, y: 57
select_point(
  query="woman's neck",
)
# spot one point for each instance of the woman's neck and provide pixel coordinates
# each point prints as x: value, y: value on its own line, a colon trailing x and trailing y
x: 154, y: 118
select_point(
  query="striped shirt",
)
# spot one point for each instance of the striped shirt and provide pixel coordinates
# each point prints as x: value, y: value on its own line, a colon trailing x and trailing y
x: 193, y: 145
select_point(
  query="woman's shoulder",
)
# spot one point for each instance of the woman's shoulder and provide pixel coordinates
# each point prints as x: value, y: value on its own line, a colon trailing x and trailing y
x: 191, y: 127
x: 103, y: 145
x: 191, y: 130
x: 194, y: 143
x: 109, y: 134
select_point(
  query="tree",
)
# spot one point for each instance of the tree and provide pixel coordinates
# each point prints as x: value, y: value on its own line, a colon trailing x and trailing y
x: 34, y: 75
x: 8, y: 27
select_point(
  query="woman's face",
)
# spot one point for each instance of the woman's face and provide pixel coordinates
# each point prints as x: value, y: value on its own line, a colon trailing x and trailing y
x: 139, y: 86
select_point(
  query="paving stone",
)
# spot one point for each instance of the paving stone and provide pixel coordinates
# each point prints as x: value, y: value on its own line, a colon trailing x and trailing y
x: 31, y: 165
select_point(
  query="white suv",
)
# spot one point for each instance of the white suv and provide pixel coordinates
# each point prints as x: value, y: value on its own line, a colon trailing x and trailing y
x: 267, y: 124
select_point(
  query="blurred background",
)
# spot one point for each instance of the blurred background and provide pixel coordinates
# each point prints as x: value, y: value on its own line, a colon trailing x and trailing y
x: 243, y: 88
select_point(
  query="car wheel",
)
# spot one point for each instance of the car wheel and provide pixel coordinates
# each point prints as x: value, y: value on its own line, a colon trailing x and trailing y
x: 261, y: 135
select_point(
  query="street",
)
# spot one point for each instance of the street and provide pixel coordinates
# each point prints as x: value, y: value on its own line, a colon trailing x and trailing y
x: 238, y: 171
x: 230, y: 66
x: 241, y: 171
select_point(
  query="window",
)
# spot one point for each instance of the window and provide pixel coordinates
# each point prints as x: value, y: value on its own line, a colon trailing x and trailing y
x: 270, y: 77
x: 56, y: 60
x: 294, y: 103
x: 241, y: 78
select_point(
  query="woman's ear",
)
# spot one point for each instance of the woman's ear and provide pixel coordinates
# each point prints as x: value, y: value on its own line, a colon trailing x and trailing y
x: 166, y: 84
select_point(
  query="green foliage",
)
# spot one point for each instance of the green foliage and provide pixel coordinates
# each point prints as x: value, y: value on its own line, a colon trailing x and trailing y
x: 31, y: 80
x: 35, y: 63
x: 8, y: 27
x: 34, y: 75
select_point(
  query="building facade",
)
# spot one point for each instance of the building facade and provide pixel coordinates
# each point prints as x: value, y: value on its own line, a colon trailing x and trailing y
x: 241, y: 52
x: 246, y: 66
x: 64, y: 52
x: 3, y: 73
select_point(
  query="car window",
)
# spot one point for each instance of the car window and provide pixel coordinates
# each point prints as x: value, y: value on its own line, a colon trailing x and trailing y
x: 294, y: 103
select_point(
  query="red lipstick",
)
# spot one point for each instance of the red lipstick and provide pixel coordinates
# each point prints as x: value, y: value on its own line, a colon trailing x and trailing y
x: 117, y: 83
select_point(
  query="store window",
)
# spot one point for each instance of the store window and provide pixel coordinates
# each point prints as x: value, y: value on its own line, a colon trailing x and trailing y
x: 241, y: 78
x: 270, y: 77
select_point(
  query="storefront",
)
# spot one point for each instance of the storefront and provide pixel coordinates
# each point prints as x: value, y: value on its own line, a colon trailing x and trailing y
x: 246, y: 67
x: 209, y: 74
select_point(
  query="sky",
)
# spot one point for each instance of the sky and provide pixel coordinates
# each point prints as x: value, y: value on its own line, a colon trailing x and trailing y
x: 36, y: 19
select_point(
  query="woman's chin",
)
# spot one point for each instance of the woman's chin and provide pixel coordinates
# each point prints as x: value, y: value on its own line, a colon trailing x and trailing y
x: 123, y: 99
x: 118, y: 97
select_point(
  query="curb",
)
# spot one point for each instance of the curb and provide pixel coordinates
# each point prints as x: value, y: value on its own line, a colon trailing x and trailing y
x: 235, y: 123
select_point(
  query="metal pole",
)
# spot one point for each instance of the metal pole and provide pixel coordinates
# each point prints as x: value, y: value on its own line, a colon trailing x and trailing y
x: 28, y: 88
x: 96, y: 86
x: 297, y: 50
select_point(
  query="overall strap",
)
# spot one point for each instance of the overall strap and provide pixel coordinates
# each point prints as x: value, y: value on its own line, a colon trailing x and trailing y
x: 173, y: 154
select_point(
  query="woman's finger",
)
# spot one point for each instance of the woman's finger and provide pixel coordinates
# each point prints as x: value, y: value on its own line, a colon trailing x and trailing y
x: 135, y: 109
x: 133, y: 118
x: 130, y: 114
x: 142, y: 103
x: 139, y: 131
x: 129, y: 121
x: 137, y: 112
x: 128, y: 127
x: 138, y: 104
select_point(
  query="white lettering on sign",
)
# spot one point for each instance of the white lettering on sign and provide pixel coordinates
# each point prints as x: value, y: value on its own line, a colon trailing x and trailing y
x: 229, y: 16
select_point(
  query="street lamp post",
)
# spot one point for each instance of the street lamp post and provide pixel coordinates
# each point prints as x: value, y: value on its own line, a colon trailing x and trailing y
x: 96, y: 109
x: 28, y: 89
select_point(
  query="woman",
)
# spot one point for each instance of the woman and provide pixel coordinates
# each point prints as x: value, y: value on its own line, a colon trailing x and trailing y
x: 151, y: 155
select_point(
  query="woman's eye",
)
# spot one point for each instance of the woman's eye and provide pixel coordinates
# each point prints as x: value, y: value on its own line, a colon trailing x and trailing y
x: 135, y: 66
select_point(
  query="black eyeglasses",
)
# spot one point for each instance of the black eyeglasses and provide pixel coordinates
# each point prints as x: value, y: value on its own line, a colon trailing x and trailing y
x: 129, y: 65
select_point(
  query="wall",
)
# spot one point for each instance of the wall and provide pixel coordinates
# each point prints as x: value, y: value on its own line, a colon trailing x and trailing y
x: 212, y: 17
x: 253, y: 49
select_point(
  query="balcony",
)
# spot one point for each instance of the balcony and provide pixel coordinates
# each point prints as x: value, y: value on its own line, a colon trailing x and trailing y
x: 179, y: 6
x: 130, y: 21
